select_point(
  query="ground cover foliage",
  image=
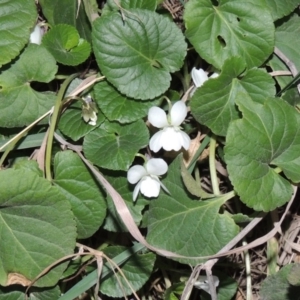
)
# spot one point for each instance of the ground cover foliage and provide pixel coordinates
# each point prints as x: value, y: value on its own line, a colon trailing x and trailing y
x: 149, y: 149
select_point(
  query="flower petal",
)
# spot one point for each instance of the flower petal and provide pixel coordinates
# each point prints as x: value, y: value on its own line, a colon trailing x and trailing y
x: 157, y: 117
x: 136, y: 173
x: 150, y: 187
x: 199, y: 77
x: 170, y: 139
x: 185, y: 140
x: 155, y: 143
x: 36, y: 35
x: 136, y: 191
x: 156, y: 166
x: 178, y: 113
x: 214, y: 75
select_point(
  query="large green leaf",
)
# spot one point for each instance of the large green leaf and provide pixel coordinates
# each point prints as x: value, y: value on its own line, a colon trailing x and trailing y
x: 181, y: 225
x: 37, y: 226
x: 268, y: 135
x: 137, y: 270
x: 113, y: 222
x: 72, y: 124
x: 77, y: 184
x: 65, y: 44
x: 19, y: 103
x: 213, y: 104
x: 138, y: 54
x: 17, y: 18
x: 113, y: 146
x: 277, y: 287
x: 118, y: 107
x: 231, y: 28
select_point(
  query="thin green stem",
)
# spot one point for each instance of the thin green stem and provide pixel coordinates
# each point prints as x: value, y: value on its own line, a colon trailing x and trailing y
x: 212, y: 165
x: 53, y: 123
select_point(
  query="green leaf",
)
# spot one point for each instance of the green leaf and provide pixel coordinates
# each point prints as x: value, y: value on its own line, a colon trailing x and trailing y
x: 17, y: 19
x: 48, y: 8
x: 294, y: 275
x: 286, y: 39
x: 72, y: 124
x: 113, y: 221
x: 118, y: 107
x: 266, y: 136
x: 29, y: 166
x: 19, y: 103
x: 277, y: 287
x: 231, y: 28
x: 37, y: 225
x: 65, y: 44
x: 113, y: 146
x: 35, y: 294
x: 213, y: 104
x: 111, y: 5
x: 74, y: 180
x: 137, y: 269
x: 190, y: 228
x: 280, y: 8
x: 152, y: 47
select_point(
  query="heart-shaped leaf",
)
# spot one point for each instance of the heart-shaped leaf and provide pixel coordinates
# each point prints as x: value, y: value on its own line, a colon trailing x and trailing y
x: 113, y: 146
x: 266, y: 137
x: 87, y: 201
x: 213, y: 104
x: 152, y: 47
x: 190, y: 228
x: 37, y: 226
x: 118, y: 107
x: 231, y: 28
x: 64, y: 43
x: 19, y: 103
x: 17, y: 18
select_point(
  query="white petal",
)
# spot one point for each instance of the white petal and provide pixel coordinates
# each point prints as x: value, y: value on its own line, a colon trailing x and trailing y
x: 136, y: 191
x: 155, y: 142
x: 199, y: 77
x: 135, y: 174
x: 214, y: 75
x: 36, y: 35
x: 170, y: 139
x: 178, y: 113
x: 157, y: 117
x: 150, y: 187
x: 156, y: 166
x: 92, y: 122
x: 184, y: 140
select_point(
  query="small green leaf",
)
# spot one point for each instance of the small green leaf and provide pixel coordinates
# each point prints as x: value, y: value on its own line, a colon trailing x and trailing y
x: 213, y: 104
x: 37, y: 225
x: 118, y: 107
x: 137, y: 270
x: 277, y: 287
x: 113, y: 221
x: 72, y: 124
x: 267, y: 136
x: 145, y: 37
x: 64, y: 43
x: 17, y: 19
x: 231, y: 28
x: 19, y: 103
x: 74, y: 180
x: 280, y: 8
x: 113, y: 146
x: 181, y: 225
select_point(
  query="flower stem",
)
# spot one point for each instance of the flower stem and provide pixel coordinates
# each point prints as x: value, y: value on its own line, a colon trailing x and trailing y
x: 212, y: 165
x: 53, y: 123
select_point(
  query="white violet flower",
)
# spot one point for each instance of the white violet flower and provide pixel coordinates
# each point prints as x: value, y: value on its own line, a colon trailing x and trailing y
x: 146, y: 177
x: 199, y: 77
x: 170, y: 137
x: 89, y: 111
x: 36, y: 35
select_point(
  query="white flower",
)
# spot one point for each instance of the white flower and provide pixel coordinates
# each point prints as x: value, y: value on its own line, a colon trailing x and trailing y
x: 199, y: 77
x: 170, y: 137
x: 36, y: 35
x: 146, y: 177
x: 89, y: 111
